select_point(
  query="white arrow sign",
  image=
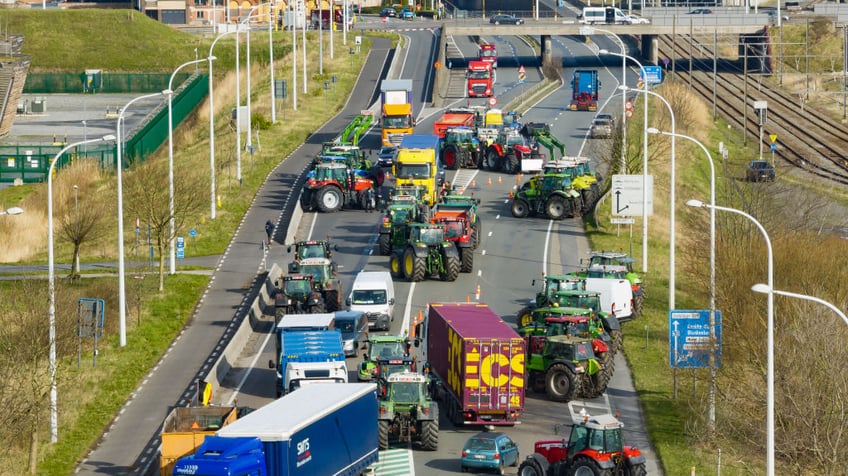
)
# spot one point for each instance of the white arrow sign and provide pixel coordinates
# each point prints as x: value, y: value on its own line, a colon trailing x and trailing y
x: 627, y: 196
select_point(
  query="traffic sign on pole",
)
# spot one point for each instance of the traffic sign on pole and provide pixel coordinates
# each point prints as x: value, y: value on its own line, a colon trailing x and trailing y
x: 627, y: 197
x: 689, y: 336
x: 493, y: 101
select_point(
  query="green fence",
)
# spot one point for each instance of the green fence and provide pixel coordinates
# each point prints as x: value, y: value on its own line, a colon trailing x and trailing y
x: 31, y: 163
x: 118, y: 83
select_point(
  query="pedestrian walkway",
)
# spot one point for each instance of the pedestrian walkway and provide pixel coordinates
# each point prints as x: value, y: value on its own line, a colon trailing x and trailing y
x: 130, y: 444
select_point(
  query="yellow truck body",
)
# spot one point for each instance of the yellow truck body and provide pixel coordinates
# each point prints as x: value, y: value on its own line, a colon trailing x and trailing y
x: 396, y: 119
x: 417, y: 164
x: 185, y: 428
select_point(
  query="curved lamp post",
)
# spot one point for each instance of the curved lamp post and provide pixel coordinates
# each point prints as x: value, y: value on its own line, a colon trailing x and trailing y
x: 51, y: 283
x: 210, y: 58
x: 764, y: 288
x: 770, y: 328
x: 122, y: 293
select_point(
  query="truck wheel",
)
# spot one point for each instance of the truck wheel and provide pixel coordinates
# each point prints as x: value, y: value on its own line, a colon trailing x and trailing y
x: 430, y: 435
x: 512, y: 165
x: 451, y: 267
x: 396, y: 265
x: 383, y: 434
x: 492, y: 160
x: 530, y: 467
x: 467, y: 258
x: 583, y: 465
x: 329, y: 199
x: 560, y: 383
x: 384, y: 242
x: 635, y: 470
x: 451, y: 157
x: 413, y: 267
x: 520, y: 208
x: 556, y: 207
x: 331, y: 300
x: 524, y: 317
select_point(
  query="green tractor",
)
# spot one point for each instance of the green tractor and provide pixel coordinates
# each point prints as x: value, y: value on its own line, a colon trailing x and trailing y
x: 553, y: 284
x: 427, y: 253
x: 324, y: 274
x: 408, y: 412
x: 553, y: 197
x: 461, y: 149
x: 310, y: 249
x: 382, y: 348
x: 297, y: 295
x: 566, y: 368
x: 394, y: 230
x: 589, y: 300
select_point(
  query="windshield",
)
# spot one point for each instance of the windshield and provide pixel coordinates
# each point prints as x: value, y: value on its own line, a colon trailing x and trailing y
x: 480, y: 444
x: 479, y: 75
x: 415, y: 171
x: 404, y: 391
x: 384, y: 350
x: 389, y: 369
x: 298, y: 287
x: 514, y: 139
x: 397, y: 122
x: 431, y: 236
x: 318, y: 271
x: 346, y: 326
x: 362, y: 296
x: 488, y: 53
x: 311, y: 251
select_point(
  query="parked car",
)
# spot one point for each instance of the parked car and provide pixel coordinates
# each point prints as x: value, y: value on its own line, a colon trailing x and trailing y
x: 759, y: 171
x: 504, y: 19
x: 600, y: 128
x: 386, y: 156
x: 388, y: 13
x: 700, y: 11
x: 637, y: 20
x: 407, y: 14
x: 489, y: 450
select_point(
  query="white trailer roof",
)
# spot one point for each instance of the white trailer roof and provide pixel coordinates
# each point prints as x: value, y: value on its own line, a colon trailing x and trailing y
x: 322, y: 320
x: 280, y: 419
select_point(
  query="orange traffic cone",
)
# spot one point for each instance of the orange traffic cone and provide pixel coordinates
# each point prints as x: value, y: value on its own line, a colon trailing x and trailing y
x: 490, y: 181
x: 518, y: 178
x: 477, y: 294
x: 500, y: 180
x: 511, y: 195
x: 473, y: 184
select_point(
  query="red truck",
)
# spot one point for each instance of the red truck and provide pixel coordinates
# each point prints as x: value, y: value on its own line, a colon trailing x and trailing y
x: 479, y: 361
x: 479, y: 78
x: 489, y: 54
x: 453, y: 118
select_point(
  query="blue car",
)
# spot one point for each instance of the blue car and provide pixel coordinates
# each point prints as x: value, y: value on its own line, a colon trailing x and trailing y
x: 489, y: 450
x: 407, y: 14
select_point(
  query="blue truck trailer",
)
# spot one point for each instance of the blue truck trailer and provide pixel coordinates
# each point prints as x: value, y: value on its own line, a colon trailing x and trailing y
x: 320, y: 430
x: 584, y: 90
x: 309, y: 357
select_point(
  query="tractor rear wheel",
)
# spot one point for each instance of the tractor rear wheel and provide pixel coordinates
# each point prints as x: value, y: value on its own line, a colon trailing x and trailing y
x: 467, y: 260
x: 329, y: 199
x: 451, y: 267
x: 396, y: 265
x: 383, y: 434
x: 384, y: 242
x: 560, y: 383
x: 615, y: 345
x: 588, y: 196
x: 430, y: 435
x: 524, y: 317
x: 450, y: 157
x: 586, y: 466
x: 413, y: 266
x: 638, y: 303
x: 635, y: 470
x: 520, y: 208
x: 492, y: 160
x: 512, y: 165
x: 475, y: 233
x: 556, y: 207
x: 530, y: 467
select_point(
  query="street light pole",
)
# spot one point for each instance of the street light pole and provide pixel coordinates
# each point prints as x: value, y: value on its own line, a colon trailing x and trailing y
x: 271, y: 19
x: 770, y: 328
x: 122, y: 289
x: 51, y: 285
x: 763, y: 288
x: 170, y: 91
x: 212, y: 202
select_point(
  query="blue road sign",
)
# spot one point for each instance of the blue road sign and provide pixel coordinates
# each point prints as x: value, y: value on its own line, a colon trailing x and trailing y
x: 192, y: 232
x: 180, y: 247
x: 654, y: 74
x: 689, y: 339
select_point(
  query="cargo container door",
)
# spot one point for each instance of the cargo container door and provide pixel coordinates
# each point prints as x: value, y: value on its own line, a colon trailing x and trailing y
x: 494, y: 380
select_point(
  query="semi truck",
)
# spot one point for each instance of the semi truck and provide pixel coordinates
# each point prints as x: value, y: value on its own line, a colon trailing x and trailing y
x: 478, y: 359
x: 185, y: 428
x: 319, y: 430
x: 308, y: 357
x: 479, y: 79
x: 417, y: 164
x: 396, y: 118
x: 488, y: 53
x: 584, y: 90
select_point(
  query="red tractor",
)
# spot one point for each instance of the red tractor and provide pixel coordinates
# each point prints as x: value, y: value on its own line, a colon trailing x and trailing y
x: 595, y: 447
x: 335, y: 185
x: 507, y: 152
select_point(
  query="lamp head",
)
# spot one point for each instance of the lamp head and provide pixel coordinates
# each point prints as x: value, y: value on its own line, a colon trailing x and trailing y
x: 108, y: 137
x: 12, y: 211
x: 694, y: 203
x: 761, y: 288
x: 212, y: 58
x: 603, y: 52
x: 653, y: 130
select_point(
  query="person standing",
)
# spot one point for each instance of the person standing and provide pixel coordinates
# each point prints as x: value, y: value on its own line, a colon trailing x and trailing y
x: 269, y: 231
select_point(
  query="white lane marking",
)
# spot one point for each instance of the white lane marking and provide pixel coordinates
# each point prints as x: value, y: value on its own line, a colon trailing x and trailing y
x: 406, y: 310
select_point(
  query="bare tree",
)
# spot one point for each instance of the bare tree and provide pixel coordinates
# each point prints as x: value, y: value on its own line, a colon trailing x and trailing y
x: 81, y: 221
x: 146, y: 196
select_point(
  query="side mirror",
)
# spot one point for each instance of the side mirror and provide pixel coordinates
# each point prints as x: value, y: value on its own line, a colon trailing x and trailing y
x: 270, y: 364
x: 288, y: 249
x: 533, y: 282
x: 392, y: 301
x: 347, y: 302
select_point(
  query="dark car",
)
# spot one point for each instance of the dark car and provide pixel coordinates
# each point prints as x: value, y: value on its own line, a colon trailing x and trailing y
x: 387, y: 155
x: 388, y: 13
x: 504, y: 19
x: 700, y: 11
x: 759, y: 171
x: 489, y: 450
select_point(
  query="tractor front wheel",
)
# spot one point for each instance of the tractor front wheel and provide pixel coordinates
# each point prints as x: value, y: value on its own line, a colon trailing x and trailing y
x: 396, y: 265
x: 493, y: 160
x: 586, y: 466
x: 451, y: 267
x: 450, y: 157
x: 520, y: 208
x: 556, y: 208
x: 635, y: 470
x: 467, y: 260
x: 383, y: 434
x: 524, y: 317
x: 560, y: 383
x: 512, y: 165
x: 413, y: 266
x: 384, y: 242
x: 530, y: 467
x: 329, y: 199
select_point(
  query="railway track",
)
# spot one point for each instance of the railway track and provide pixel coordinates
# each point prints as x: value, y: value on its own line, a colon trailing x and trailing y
x: 807, y: 138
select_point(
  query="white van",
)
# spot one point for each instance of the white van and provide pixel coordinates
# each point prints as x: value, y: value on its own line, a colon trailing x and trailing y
x: 607, y: 15
x: 373, y: 293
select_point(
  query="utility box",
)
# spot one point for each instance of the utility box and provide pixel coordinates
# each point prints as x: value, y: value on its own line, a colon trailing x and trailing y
x: 38, y: 106
x: 92, y: 80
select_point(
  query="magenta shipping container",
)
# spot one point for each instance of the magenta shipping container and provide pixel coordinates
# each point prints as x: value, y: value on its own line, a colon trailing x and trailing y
x: 479, y: 359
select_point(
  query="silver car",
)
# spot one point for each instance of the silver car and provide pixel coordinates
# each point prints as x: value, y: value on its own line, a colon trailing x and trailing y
x: 600, y: 128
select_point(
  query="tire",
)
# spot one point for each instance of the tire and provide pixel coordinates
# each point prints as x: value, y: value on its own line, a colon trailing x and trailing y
x: 383, y: 434
x: 560, y: 383
x: 475, y: 233
x: 452, y: 266
x: 450, y: 157
x: 638, y: 304
x: 464, y: 158
x: 595, y: 385
x: 512, y: 165
x: 616, y: 343
x: 556, y: 207
x: 396, y: 266
x: 500, y: 470
x: 520, y: 208
x: 530, y: 467
x: 307, y: 202
x: 492, y: 160
x: 466, y: 260
x: 430, y: 435
x: 635, y: 470
x: 316, y: 309
x: 329, y: 199
x: 331, y: 300
x: 588, y: 196
x: 524, y: 317
x: 384, y: 243
x: 413, y: 267
x: 585, y: 466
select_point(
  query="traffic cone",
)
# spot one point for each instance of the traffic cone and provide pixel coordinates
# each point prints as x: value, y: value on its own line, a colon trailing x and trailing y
x: 518, y: 178
x: 388, y: 175
x: 473, y: 184
x: 500, y: 180
x: 477, y: 294
x: 490, y: 181
x: 511, y: 195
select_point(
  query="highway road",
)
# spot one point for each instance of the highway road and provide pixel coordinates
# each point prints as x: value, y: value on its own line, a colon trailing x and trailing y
x: 512, y: 253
